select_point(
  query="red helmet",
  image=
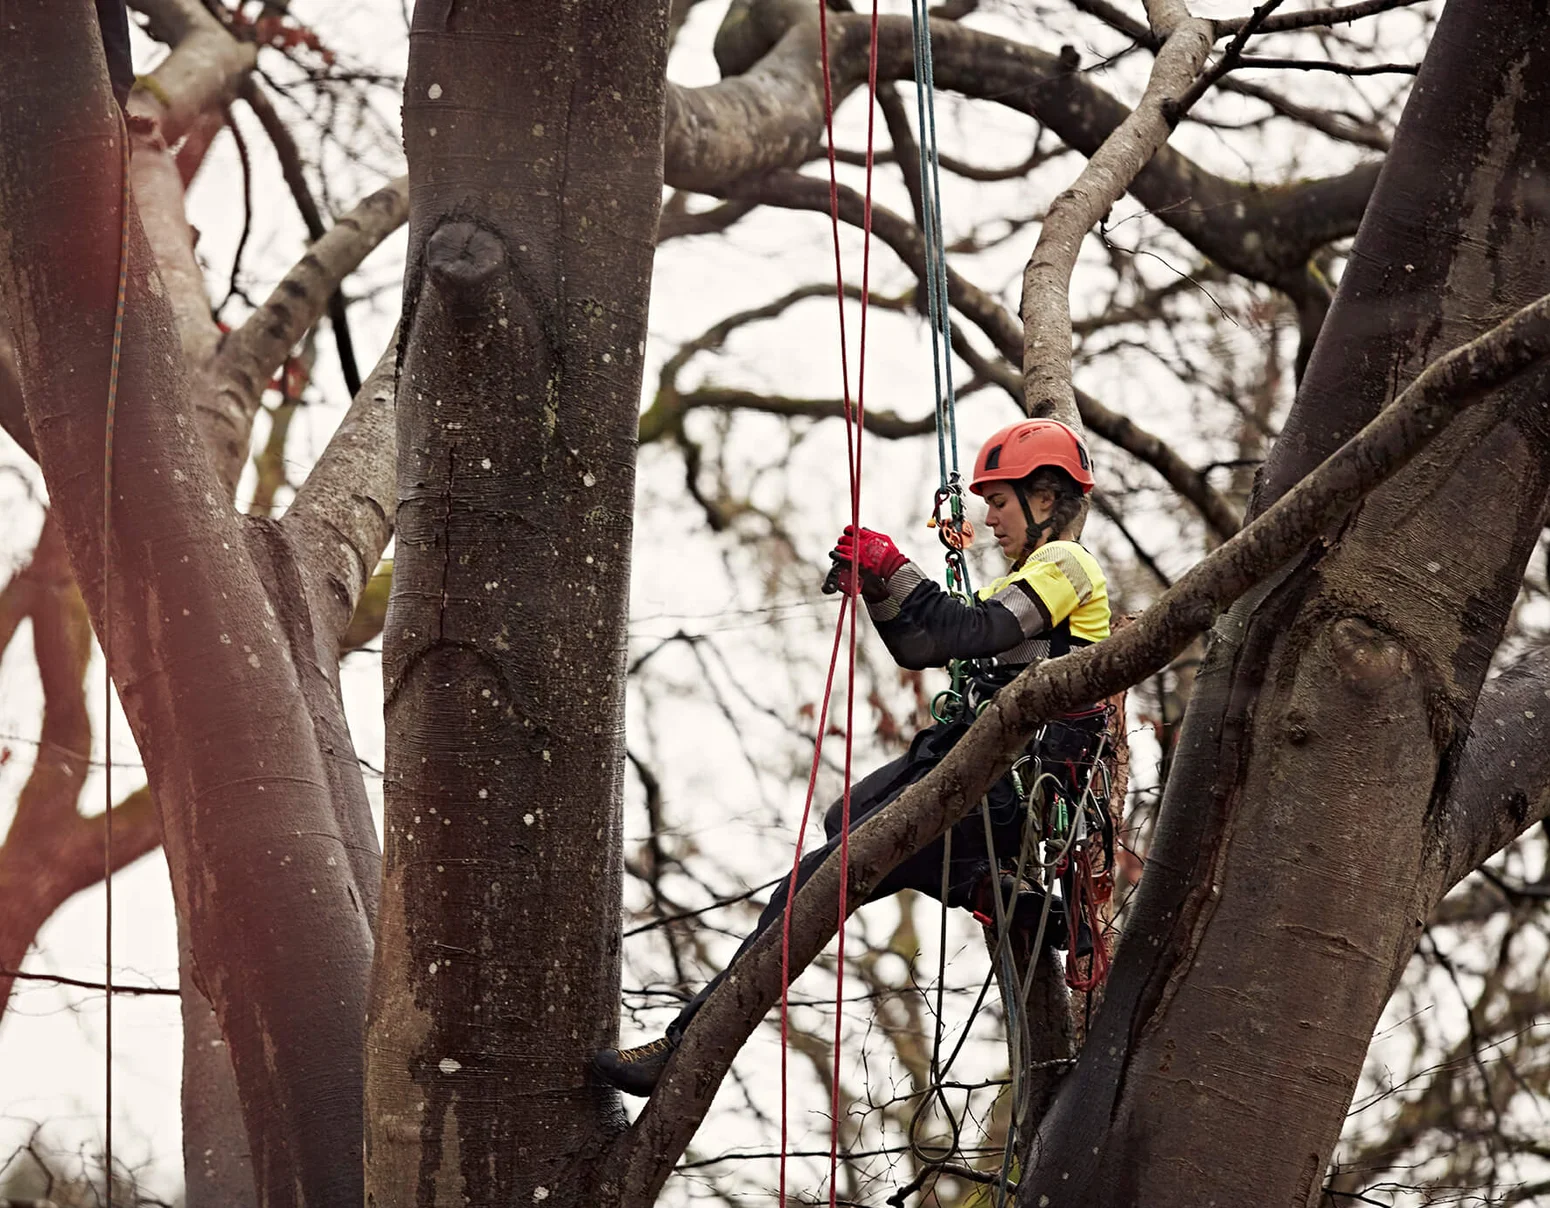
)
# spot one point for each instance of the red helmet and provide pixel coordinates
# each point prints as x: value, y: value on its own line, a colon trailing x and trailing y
x: 1021, y: 448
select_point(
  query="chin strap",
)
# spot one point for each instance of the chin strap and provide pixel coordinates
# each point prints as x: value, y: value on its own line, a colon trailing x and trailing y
x: 1036, y: 528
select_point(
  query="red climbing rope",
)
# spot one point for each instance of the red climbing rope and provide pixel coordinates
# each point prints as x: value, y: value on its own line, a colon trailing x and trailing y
x: 854, y: 417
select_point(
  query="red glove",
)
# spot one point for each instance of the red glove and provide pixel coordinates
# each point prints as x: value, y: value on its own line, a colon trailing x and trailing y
x: 874, y: 552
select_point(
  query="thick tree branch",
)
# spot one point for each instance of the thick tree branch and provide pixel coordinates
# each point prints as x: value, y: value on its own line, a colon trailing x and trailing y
x: 1501, y: 783
x: 342, y: 516
x: 1448, y: 387
x: 203, y: 72
x: 1046, y: 301
x: 296, y: 180
x: 50, y: 851
x: 771, y: 116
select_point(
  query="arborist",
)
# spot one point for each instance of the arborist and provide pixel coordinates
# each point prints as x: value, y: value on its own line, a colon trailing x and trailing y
x: 1033, y: 476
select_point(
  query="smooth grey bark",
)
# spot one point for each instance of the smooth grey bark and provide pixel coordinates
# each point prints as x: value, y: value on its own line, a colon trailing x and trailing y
x: 535, y: 179
x: 199, y: 652
x: 217, y: 1166
x: 1300, y: 845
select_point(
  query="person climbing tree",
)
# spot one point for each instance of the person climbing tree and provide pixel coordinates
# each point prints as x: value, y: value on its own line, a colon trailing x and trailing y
x: 1033, y: 476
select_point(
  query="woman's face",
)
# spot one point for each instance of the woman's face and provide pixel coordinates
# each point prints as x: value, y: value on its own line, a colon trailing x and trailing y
x: 1005, y: 516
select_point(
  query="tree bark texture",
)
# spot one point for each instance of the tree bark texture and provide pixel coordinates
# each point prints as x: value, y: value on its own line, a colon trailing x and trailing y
x: 198, y: 650
x: 1302, y: 842
x: 217, y: 1167
x: 535, y: 180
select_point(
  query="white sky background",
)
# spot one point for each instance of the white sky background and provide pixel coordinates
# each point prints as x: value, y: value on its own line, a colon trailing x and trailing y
x: 740, y: 811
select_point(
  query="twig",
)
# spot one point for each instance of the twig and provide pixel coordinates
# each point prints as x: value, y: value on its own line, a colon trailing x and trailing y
x: 59, y: 980
x: 1312, y: 17
x: 1345, y: 69
x: 232, y: 289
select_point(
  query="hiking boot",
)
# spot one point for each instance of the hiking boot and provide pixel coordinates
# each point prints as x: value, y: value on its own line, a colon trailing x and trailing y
x: 635, y: 1071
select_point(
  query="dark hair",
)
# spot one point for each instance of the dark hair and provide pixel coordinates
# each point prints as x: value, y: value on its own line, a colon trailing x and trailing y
x: 1068, y: 497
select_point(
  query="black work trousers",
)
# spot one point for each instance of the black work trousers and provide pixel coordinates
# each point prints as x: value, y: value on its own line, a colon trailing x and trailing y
x: 969, y: 861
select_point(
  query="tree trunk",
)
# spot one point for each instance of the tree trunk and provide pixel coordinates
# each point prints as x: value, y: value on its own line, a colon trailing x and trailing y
x: 217, y: 1167
x: 1299, y: 848
x: 535, y: 161
x: 259, y: 866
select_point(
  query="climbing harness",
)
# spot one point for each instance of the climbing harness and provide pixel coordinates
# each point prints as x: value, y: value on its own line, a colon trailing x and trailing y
x: 107, y: 647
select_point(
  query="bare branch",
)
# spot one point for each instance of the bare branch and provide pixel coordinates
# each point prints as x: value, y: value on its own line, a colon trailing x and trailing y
x: 1448, y: 387
x: 51, y: 852
x: 1046, y: 305
x: 771, y: 117
x: 342, y: 515
x: 1345, y: 69
x: 1310, y: 18
x: 203, y: 72
x: 676, y: 220
x: 1166, y: 17
x: 296, y: 180
x: 1318, y: 119
x: 886, y: 424
x: 1230, y: 58
x: 1501, y: 782
x: 253, y: 352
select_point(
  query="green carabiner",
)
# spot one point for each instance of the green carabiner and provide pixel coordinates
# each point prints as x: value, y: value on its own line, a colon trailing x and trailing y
x: 939, y: 711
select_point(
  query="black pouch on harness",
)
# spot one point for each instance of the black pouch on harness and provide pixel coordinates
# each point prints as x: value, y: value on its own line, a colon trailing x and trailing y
x: 1072, y: 740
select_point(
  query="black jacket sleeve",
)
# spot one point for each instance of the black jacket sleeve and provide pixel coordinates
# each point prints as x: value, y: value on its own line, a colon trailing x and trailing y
x: 923, y: 626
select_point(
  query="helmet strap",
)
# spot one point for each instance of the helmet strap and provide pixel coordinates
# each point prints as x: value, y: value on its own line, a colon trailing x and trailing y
x: 1035, y: 527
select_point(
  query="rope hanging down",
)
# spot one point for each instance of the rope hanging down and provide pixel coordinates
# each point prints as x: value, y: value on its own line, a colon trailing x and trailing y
x: 854, y: 416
